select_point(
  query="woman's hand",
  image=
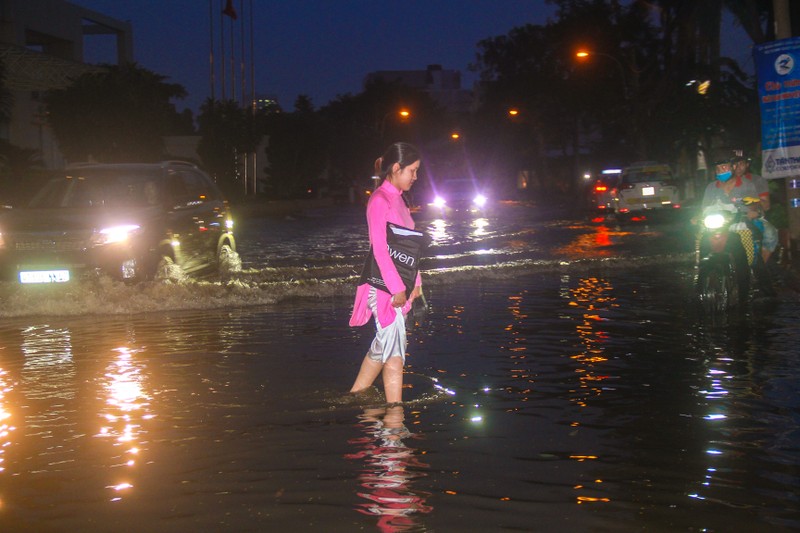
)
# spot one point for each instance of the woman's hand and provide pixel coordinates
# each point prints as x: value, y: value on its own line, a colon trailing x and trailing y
x: 399, y: 299
x: 416, y: 293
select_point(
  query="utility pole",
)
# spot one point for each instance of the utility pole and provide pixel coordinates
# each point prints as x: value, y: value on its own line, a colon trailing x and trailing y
x: 783, y: 30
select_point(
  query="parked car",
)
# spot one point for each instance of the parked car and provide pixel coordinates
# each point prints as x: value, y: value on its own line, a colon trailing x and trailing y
x: 458, y: 194
x: 128, y: 221
x: 602, y: 191
x: 645, y: 186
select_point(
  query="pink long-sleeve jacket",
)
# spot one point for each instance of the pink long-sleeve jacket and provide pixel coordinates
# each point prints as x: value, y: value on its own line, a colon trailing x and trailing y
x: 385, y: 205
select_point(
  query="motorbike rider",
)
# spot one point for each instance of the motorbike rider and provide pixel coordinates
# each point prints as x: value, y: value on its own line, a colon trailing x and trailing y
x: 744, y: 196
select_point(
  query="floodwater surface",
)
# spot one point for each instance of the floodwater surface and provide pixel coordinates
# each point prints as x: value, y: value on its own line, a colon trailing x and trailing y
x: 560, y: 380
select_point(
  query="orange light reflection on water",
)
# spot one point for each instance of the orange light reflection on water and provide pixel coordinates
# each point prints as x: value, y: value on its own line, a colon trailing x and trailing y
x: 126, y: 407
x: 592, y: 295
x: 592, y: 245
x: 589, y: 299
x: 5, y: 417
x: 517, y: 347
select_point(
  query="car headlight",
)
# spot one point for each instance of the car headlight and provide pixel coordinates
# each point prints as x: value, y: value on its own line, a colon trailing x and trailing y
x: 114, y: 234
x: 439, y: 201
x: 479, y: 200
x: 714, y: 221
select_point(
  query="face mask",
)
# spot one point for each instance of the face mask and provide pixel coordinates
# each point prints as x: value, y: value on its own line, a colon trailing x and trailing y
x: 725, y: 176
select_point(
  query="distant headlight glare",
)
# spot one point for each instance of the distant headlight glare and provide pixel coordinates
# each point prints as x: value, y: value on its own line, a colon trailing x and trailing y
x: 439, y: 201
x: 480, y: 200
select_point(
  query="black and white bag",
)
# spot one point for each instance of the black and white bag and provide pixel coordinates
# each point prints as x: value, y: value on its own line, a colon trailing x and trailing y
x: 406, y: 247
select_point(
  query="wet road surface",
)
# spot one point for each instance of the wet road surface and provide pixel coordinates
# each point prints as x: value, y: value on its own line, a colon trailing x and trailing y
x: 561, y: 380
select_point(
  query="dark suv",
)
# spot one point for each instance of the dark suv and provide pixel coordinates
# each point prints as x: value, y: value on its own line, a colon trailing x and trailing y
x: 128, y: 221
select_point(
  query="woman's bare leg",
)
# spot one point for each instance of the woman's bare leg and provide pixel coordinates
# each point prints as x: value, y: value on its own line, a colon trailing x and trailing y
x: 393, y: 379
x: 367, y: 374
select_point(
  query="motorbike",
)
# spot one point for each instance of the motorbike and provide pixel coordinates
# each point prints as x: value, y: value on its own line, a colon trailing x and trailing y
x: 727, y: 257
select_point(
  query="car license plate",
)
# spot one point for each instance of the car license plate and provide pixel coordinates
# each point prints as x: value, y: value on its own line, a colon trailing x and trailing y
x: 44, y: 276
x: 648, y: 191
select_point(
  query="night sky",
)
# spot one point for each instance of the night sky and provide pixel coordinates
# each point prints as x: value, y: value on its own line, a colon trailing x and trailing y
x: 322, y: 48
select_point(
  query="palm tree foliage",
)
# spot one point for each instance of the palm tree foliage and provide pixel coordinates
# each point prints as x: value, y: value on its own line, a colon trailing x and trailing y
x: 121, y: 114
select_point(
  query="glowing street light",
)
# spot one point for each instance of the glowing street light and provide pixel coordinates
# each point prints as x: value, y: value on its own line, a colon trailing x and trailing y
x: 403, y: 114
x: 586, y: 54
x: 632, y: 95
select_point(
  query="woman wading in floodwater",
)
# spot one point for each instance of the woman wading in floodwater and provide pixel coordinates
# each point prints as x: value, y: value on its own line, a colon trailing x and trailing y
x: 397, y: 169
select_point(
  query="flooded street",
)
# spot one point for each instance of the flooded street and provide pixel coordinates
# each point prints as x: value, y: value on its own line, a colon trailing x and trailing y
x: 561, y: 380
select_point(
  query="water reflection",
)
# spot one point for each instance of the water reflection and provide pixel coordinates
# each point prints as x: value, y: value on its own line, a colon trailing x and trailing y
x: 517, y: 347
x: 126, y: 406
x: 715, y: 393
x: 591, y: 297
x: 443, y: 231
x: 592, y: 244
x: 49, y: 369
x: 437, y: 231
x: 479, y: 226
x: 390, y: 469
x: 6, y: 386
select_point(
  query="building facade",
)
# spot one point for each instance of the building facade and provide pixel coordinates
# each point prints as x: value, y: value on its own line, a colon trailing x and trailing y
x: 443, y: 86
x: 42, y: 47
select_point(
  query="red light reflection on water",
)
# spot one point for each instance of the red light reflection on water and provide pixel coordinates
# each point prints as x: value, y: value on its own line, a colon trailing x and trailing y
x: 594, y: 244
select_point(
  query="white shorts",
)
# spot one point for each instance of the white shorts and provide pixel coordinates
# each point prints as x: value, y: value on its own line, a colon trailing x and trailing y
x: 391, y: 340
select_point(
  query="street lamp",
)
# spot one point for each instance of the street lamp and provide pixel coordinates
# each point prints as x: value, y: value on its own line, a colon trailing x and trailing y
x: 403, y: 114
x: 632, y: 96
x: 586, y: 54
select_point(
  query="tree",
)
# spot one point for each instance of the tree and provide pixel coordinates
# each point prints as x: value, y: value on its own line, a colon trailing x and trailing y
x: 120, y: 114
x: 362, y: 126
x: 634, y: 98
x: 560, y: 107
x: 296, y: 150
x: 333, y: 149
x: 6, y: 99
x: 226, y: 132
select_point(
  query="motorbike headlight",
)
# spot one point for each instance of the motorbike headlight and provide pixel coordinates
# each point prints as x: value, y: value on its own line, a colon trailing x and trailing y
x: 439, y: 201
x: 480, y: 200
x: 114, y: 234
x: 714, y: 221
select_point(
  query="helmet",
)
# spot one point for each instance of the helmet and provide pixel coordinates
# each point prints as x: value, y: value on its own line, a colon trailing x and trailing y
x: 737, y: 156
